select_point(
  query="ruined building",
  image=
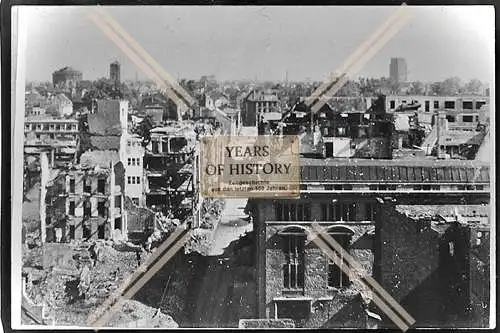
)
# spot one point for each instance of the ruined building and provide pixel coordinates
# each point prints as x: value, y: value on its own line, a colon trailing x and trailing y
x: 84, y: 201
x: 348, y: 197
x: 169, y: 171
x: 440, y: 262
x: 349, y: 127
x: 58, y: 137
x: 66, y: 77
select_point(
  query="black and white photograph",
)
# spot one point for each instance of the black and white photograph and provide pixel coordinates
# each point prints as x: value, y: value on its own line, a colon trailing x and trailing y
x: 241, y: 167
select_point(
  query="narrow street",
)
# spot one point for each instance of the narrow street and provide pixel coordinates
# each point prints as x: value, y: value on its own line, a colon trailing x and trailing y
x: 233, y: 225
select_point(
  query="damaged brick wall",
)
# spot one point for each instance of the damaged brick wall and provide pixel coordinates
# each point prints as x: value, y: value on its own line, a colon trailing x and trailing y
x: 426, y: 266
x: 328, y: 305
x: 408, y: 252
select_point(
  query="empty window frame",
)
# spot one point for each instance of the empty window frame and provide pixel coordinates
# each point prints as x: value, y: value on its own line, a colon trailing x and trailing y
x: 87, y: 209
x: 87, y: 185
x: 101, y: 209
x: 101, y: 185
x: 338, y: 211
x: 467, y: 105
x: 292, y: 212
x: 467, y: 119
x: 479, y: 104
x: 449, y: 104
x: 72, y: 185
x: 293, y: 268
x: 337, y: 278
x: 71, y: 210
x: 451, y: 119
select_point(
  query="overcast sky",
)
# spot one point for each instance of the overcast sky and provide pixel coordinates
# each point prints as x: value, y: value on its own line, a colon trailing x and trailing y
x: 263, y: 42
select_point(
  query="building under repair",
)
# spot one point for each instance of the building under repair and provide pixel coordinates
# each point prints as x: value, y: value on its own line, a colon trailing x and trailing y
x: 83, y: 201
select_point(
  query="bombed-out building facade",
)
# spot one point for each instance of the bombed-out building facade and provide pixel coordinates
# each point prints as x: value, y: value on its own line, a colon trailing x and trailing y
x: 168, y: 164
x: 85, y: 201
x: 362, y: 204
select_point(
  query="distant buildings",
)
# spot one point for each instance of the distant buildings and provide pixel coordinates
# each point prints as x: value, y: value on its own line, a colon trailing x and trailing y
x: 66, y: 77
x: 344, y: 127
x: 398, y: 72
x: 462, y: 119
x: 159, y: 108
x: 258, y: 106
x: 114, y: 72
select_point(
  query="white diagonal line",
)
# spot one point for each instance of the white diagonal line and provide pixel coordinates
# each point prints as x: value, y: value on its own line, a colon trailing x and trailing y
x: 354, y: 274
x: 356, y: 60
x: 356, y: 54
x: 135, y: 58
x: 145, y: 55
x: 356, y: 67
x: 354, y: 264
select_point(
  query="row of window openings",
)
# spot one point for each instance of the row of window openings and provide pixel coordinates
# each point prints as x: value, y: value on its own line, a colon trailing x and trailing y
x: 52, y: 136
x: 134, y: 161
x: 394, y: 187
x: 467, y: 105
x: 51, y: 127
x: 294, y: 267
x: 87, y: 185
x: 437, y: 187
x: 329, y: 212
x: 465, y: 119
x: 133, y: 180
x: 131, y: 143
x: 87, y: 233
x: 87, y: 209
x: 349, y: 187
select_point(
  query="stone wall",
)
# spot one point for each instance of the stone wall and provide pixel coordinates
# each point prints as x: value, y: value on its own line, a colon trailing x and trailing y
x: 327, y: 305
x: 408, y: 252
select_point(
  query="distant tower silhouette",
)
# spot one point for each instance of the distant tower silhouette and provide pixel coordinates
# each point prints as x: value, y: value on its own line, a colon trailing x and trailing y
x: 398, y: 71
x: 114, y: 72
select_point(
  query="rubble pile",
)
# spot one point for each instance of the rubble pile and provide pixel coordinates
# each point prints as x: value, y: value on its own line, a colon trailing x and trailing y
x: 201, y: 241
x: 134, y: 314
x: 211, y: 211
x: 73, y: 290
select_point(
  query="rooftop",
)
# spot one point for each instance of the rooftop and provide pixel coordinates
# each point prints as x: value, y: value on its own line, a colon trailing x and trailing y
x: 394, y: 171
x: 66, y: 69
x: 46, y: 118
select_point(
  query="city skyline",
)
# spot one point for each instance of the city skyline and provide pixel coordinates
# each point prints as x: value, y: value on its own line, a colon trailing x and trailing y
x: 435, y: 36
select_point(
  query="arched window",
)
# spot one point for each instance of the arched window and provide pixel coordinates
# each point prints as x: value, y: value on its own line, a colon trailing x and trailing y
x: 293, y: 240
x: 336, y: 276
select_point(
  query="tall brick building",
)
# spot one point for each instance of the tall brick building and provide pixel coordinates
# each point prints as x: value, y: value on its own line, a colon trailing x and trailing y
x: 349, y: 198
